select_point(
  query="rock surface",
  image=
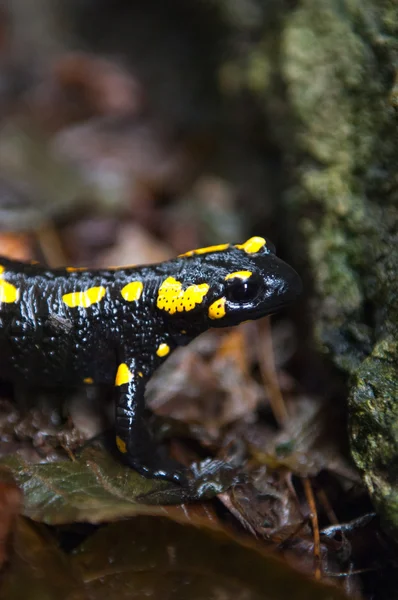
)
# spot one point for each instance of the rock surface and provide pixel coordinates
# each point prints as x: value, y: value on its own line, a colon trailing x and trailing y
x: 325, y: 73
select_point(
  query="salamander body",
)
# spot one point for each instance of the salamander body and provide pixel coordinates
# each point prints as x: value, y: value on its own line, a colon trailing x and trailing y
x: 72, y: 326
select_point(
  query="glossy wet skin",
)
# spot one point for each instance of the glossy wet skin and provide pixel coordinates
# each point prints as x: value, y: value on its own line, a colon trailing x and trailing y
x: 248, y: 285
x: 67, y: 327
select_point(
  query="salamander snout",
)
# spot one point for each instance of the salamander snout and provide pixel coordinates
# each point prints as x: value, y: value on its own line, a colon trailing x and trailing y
x: 264, y: 286
x: 284, y: 284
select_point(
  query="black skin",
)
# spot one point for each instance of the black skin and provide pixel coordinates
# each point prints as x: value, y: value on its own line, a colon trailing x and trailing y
x: 44, y: 342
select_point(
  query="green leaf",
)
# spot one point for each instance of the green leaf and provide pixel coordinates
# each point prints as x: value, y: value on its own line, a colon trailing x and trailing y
x: 97, y: 488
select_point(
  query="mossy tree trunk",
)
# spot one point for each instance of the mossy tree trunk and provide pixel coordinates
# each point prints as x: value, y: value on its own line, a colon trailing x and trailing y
x: 325, y: 73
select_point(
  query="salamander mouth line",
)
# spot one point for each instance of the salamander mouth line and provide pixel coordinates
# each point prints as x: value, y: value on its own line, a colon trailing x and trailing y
x: 252, y: 315
x: 265, y: 313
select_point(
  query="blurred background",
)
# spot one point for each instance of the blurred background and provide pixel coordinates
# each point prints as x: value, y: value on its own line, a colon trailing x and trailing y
x: 124, y: 125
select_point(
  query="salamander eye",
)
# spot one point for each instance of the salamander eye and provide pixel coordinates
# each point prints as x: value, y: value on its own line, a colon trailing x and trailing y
x: 240, y: 292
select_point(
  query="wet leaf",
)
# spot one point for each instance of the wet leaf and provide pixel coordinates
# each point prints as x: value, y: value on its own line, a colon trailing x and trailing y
x: 268, y: 507
x: 97, y: 488
x: 10, y: 505
x: 37, y: 569
x: 151, y: 557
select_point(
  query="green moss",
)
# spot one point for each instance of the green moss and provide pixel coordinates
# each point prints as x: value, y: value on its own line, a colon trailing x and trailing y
x: 338, y: 63
x: 327, y: 86
x: 374, y: 427
x: 325, y: 73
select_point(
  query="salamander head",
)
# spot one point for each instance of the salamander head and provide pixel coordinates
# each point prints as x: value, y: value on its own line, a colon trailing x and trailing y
x: 220, y: 286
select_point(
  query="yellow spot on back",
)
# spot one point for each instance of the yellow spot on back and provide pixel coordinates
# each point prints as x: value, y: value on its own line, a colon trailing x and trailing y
x: 85, y: 298
x: 252, y: 245
x: 217, y: 309
x: 119, y: 268
x: 8, y: 292
x: 239, y: 275
x: 132, y: 291
x: 88, y: 380
x: 76, y: 269
x: 206, y: 250
x: 123, y: 375
x: 169, y: 292
x: 121, y: 445
x: 172, y: 298
x: 163, y: 350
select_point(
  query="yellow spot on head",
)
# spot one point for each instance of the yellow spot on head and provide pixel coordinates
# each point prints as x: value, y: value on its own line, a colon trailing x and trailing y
x: 123, y: 375
x: 163, y: 350
x: 217, y: 309
x: 88, y: 380
x: 1, y: 269
x: 121, y: 445
x: 239, y: 275
x: 193, y: 295
x: 140, y: 374
x: 253, y: 245
x: 206, y: 250
x: 132, y: 291
x: 85, y: 298
x: 8, y: 292
x: 172, y: 298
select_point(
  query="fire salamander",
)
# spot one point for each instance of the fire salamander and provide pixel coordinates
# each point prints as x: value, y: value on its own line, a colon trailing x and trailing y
x: 72, y: 326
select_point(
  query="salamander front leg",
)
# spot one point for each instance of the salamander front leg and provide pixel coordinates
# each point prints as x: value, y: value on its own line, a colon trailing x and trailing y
x: 133, y: 438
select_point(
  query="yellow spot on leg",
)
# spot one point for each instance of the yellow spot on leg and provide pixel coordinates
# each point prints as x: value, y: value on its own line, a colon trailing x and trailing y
x: 163, y: 350
x: 252, y: 245
x: 132, y: 291
x: 76, y: 269
x: 217, y: 309
x: 88, y: 380
x: 239, y: 275
x: 8, y: 292
x: 121, y: 445
x: 123, y: 375
x: 84, y: 298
